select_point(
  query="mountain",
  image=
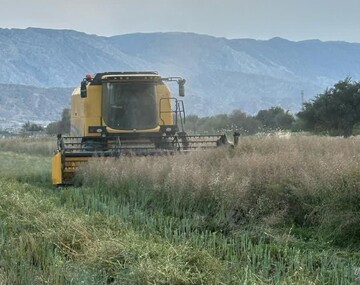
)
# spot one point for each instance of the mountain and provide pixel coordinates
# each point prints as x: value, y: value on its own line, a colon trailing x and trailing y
x: 20, y: 103
x: 222, y: 74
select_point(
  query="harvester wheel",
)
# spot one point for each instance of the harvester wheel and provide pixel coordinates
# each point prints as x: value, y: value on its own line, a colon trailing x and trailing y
x: 184, y: 140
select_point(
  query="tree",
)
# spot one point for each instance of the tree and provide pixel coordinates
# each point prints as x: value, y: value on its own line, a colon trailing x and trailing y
x: 237, y: 121
x: 192, y: 123
x: 243, y: 123
x: 336, y: 111
x: 62, y: 126
x: 217, y: 123
x: 275, y: 118
x: 31, y: 127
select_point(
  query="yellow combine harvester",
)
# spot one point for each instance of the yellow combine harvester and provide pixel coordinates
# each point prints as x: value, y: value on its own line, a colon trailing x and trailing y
x: 121, y: 113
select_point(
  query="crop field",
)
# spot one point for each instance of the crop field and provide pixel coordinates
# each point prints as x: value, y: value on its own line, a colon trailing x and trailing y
x: 274, y: 210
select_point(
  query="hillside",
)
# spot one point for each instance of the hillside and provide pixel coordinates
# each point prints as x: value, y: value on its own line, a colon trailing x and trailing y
x: 221, y: 74
x: 19, y: 103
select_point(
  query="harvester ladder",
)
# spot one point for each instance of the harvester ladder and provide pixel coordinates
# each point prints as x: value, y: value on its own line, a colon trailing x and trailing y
x: 178, y: 112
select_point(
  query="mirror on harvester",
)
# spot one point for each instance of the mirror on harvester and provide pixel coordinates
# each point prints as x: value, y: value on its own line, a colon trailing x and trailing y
x: 83, y: 92
x: 182, y: 88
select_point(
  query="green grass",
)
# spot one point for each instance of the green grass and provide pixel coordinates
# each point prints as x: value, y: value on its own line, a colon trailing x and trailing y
x: 273, y: 211
x: 43, y: 146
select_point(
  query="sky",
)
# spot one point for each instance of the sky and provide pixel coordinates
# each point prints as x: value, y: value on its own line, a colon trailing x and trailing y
x: 257, y: 19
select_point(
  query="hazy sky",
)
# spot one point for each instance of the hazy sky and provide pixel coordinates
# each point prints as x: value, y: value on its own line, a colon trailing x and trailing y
x: 258, y: 19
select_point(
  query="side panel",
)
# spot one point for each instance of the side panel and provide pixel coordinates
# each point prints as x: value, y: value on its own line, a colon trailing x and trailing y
x: 163, y: 96
x: 85, y: 112
x: 92, y: 109
x: 57, y: 169
x: 77, y: 113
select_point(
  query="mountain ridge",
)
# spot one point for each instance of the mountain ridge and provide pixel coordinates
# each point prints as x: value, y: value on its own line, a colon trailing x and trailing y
x: 222, y: 74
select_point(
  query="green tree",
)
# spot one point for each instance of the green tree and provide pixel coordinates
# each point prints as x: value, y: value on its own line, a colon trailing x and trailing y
x: 275, y: 118
x: 217, y: 123
x: 193, y: 123
x: 336, y: 111
x: 237, y: 121
x: 62, y: 126
x: 243, y: 123
x: 31, y: 127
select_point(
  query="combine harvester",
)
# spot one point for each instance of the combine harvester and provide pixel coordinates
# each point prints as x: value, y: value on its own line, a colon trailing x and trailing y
x: 125, y: 113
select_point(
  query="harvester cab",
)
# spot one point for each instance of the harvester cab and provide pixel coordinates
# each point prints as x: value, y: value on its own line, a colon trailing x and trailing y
x: 125, y: 113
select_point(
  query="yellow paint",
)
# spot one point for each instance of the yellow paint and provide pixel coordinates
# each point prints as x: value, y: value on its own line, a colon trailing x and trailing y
x: 86, y: 112
x: 57, y: 169
x: 64, y: 168
x: 164, y: 102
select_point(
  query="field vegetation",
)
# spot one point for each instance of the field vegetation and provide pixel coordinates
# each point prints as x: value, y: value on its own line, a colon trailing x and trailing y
x: 274, y: 210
